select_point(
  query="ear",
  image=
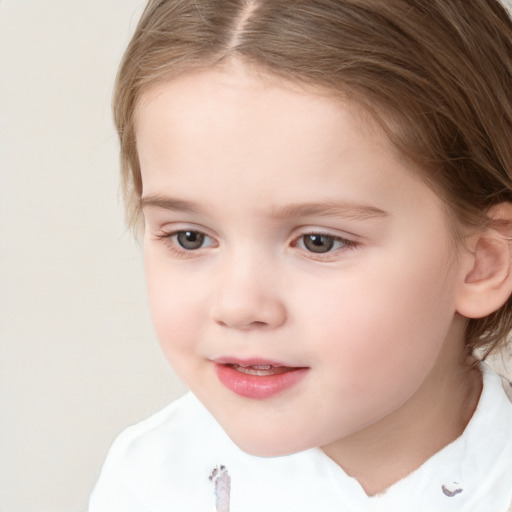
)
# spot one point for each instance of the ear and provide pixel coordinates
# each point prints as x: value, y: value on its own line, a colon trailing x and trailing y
x: 487, y: 266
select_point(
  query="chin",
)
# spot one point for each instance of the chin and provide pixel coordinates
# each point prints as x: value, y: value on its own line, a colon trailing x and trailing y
x: 262, y: 449
x: 269, y: 445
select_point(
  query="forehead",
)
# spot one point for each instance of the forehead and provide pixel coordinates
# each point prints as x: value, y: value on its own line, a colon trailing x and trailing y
x: 234, y: 93
x: 235, y: 102
x: 257, y: 139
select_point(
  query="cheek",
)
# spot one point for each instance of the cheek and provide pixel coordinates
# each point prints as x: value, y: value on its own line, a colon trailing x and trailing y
x: 374, y: 350
x: 391, y: 319
x: 176, y: 301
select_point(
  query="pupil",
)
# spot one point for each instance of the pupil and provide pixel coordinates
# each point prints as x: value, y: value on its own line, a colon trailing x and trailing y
x: 318, y: 243
x: 190, y: 239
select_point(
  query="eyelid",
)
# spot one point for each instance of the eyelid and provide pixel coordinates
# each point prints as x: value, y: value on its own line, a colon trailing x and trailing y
x: 168, y: 226
x: 350, y: 242
x: 168, y: 235
x: 325, y: 231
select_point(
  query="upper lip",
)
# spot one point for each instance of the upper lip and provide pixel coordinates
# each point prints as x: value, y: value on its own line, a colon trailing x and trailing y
x: 252, y: 361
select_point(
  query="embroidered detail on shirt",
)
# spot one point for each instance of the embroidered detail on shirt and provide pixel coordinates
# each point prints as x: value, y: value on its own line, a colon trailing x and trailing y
x: 222, y: 480
x: 451, y: 490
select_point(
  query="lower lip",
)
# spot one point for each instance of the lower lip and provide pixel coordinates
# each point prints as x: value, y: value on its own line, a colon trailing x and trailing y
x: 258, y: 386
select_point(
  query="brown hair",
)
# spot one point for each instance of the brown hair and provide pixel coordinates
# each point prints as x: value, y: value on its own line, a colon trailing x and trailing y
x: 437, y: 74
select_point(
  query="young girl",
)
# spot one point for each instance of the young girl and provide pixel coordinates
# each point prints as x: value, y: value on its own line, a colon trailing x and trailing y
x: 324, y: 189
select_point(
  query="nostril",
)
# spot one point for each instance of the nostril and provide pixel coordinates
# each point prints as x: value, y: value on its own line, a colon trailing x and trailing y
x: 258, y: 324
x: 247, y: 326
x: 238, y: 309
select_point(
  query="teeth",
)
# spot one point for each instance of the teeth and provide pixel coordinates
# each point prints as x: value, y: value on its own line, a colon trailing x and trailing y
x: 260, y: 369
x: 255, y: 366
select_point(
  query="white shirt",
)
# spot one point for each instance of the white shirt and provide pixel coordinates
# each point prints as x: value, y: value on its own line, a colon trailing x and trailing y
x: 180, y: 460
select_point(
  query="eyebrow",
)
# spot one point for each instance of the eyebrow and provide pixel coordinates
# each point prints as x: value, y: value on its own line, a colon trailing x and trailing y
x: 168, y: 203
x: 345, y: 209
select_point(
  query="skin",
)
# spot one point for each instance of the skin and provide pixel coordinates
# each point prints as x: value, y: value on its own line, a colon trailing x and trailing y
x: 224, y: 152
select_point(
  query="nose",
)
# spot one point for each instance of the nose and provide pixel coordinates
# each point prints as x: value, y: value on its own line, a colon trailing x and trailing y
x: 247, y: 297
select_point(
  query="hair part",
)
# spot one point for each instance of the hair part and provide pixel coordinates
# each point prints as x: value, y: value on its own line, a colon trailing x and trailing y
x: 436, y: 75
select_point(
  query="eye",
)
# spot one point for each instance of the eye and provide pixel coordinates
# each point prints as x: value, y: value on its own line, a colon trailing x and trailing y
x: 320, y: 243
x: 186, y: 243
x: 190, y: 240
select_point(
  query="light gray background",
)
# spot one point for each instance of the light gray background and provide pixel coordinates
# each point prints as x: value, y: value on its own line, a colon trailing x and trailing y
x: 78, y: 358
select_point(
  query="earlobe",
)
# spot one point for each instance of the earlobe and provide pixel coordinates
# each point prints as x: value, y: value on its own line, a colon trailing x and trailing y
x: 487, y: 272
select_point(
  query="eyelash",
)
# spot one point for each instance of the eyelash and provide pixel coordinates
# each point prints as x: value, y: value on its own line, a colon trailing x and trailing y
x: 345, y: 245
x: 170, y: 240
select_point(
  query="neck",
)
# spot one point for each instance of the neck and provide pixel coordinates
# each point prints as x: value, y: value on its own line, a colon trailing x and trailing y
x: 387, y: 451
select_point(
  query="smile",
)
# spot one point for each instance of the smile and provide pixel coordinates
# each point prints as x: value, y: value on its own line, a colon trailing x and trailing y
x: 258, y: 381
x: 260, y: 369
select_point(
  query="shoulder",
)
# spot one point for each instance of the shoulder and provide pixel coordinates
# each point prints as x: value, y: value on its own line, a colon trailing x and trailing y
x: 154, y: 461
x: 167, y: 431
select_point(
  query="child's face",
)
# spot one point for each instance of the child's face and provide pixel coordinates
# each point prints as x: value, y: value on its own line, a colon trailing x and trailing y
x: 281, y: 229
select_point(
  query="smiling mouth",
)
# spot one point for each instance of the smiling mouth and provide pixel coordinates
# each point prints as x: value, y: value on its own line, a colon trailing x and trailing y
x: 258, y: 379
x: 261, y: 370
